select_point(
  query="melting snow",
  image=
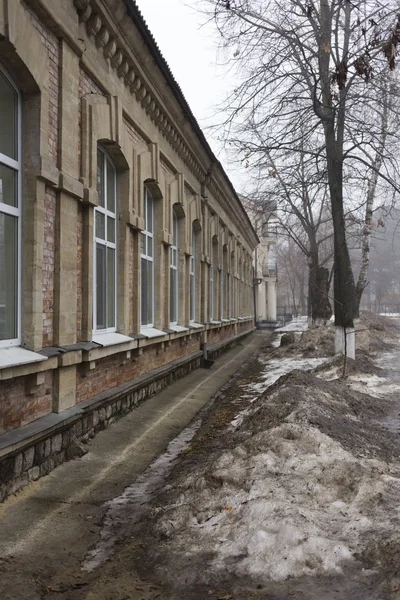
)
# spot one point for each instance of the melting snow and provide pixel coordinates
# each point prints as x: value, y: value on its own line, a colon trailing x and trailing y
x: 297, y: 324
x: 273, y: 369
x: 126, y: 510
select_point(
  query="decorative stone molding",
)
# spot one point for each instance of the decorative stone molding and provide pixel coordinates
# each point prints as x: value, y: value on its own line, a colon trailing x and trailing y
x: 114, y: 50
x: 97, y: 28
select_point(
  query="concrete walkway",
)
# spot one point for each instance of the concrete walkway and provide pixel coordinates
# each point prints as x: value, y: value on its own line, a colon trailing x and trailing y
x: 47, y: 529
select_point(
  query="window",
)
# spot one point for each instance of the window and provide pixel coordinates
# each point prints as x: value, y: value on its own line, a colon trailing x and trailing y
x: 105, y: 256
x: 211, y: 285
x: 230, y: 293
x: 10, y: 213
x: 231, y: 284
x: 147, y: 262
x: 239, y: 290
x: 192, y: 279
x: 173, y: 272
x: 224, y: 284
x: 221, y: 294
x: 213, y: 290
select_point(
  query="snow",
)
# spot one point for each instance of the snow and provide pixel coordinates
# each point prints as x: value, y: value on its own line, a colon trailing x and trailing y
x: 277, y: 502
x: 289, y: 502
x: 297, y: 324
x: 379, y: 386
x: 124, y: 511
x: 273, y: 370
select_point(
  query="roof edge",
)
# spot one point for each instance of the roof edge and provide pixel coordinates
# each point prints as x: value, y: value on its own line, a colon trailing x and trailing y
x: 135, y: 14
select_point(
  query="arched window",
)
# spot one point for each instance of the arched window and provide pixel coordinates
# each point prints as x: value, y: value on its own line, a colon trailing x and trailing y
x: 105, y: 254
x: 211, y: 288
x: 192, y: 278
x: 239, y: 290
x: 174, y: 272
x: 213, y: 272
x: 147, y: 262
x: 230, y: 285
x: 10, y: 213
x: 224, y: 284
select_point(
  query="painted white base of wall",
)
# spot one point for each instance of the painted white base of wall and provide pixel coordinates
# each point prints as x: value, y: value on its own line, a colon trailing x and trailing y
x: 350, y: 341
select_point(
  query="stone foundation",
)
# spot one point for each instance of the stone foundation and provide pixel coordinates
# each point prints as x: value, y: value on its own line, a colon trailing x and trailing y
x: 33, y: 451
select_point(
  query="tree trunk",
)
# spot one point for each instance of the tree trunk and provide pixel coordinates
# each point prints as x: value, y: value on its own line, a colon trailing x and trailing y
x: 319, y: 308
x: 333, y: 119
x: 344, y: 286
x: 372, y: 184
x: 302, y: 300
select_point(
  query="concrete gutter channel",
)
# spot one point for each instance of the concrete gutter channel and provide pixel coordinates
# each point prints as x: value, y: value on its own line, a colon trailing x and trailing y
x: 28, y: 453
x: 48, y: 528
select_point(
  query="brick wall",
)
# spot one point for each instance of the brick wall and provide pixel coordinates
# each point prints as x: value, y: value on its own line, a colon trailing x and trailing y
x: 79, y: 273
x: 134, y: 135
x: 111, y: 371
x: 48, y: 265
x: 246, y: 326
x: 51, y: 43
x: 218, y: 335
x: 17, y: 408
x: 86, y: 86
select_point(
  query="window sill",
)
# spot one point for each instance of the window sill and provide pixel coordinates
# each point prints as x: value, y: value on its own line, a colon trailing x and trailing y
x: 109, y: 344
x: 178, y: 328
x: 111, y: 339
x: 194, y: 325
x: 16, y: 356
x: 152, y: 332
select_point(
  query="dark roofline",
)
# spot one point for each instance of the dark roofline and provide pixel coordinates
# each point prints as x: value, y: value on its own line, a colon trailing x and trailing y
x: 137, y: 17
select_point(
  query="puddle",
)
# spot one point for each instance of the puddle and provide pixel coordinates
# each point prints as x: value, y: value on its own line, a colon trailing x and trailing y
x: 134, y: 503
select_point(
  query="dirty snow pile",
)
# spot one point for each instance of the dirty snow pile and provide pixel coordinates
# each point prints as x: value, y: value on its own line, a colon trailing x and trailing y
x: 306, y: 484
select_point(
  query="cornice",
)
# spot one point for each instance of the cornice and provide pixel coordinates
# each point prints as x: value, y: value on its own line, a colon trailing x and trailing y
x: 116, y: 50
x: 98, y: 28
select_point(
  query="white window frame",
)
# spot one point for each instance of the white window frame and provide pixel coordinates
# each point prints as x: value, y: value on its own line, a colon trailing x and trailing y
x: 211, y: 285
x: 239, y: 290
x: 174, y: 266
x: 221, y: 291
x: 107, y: 244
x: 230, y: 296
x: 192, y: 280
x: 15, y: 211
x: 148, y: 235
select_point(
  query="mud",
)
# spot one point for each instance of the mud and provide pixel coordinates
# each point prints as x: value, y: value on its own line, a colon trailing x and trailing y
x: 297, y: 499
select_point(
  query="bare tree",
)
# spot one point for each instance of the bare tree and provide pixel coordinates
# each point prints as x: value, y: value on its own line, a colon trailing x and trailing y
x: 313, y: 70
x: 292, y: 266
x: 303, y: 215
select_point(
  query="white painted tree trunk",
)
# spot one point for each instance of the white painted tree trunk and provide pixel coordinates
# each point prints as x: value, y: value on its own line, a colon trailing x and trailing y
x: 345, y: 341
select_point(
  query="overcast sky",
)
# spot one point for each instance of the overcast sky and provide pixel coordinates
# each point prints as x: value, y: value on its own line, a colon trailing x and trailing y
x: 190, y: 48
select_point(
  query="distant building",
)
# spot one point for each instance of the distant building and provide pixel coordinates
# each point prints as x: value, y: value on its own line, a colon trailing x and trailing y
x: 123, y: 245
x: 263, y: 218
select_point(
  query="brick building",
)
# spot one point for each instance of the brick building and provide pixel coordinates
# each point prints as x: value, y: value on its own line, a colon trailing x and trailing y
x: 123, y: 246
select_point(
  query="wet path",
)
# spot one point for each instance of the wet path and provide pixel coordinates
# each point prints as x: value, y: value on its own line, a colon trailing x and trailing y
x: 48, y: 529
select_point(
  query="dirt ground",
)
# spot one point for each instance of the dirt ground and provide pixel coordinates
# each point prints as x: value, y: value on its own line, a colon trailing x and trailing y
x: 289, y: 489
